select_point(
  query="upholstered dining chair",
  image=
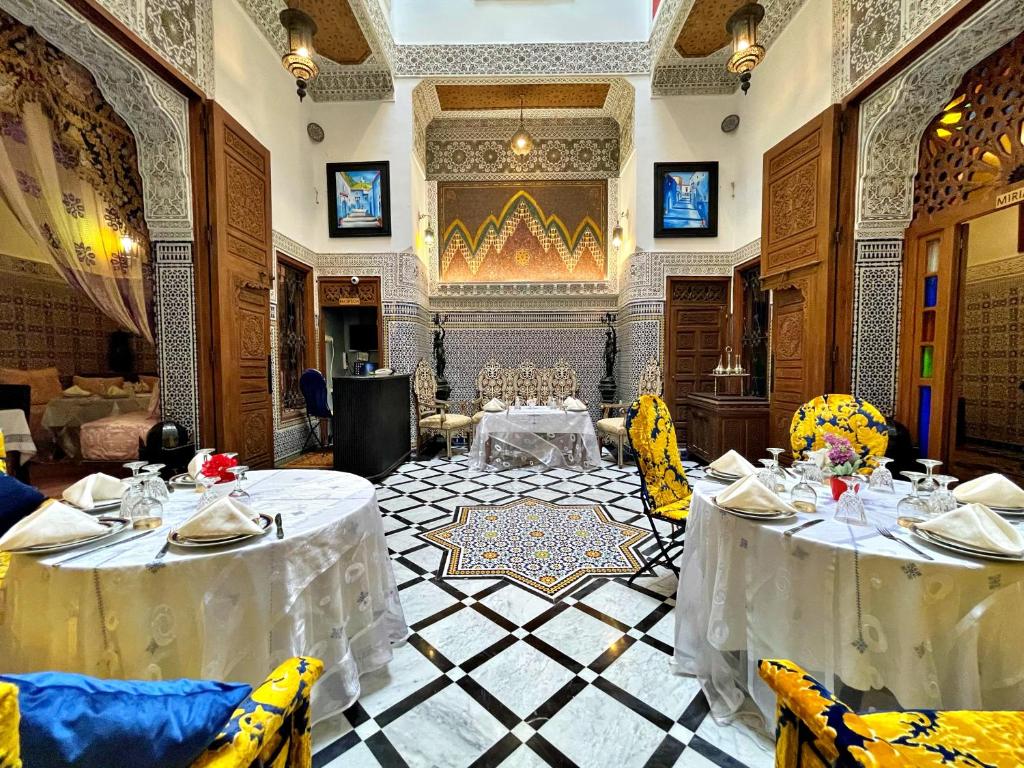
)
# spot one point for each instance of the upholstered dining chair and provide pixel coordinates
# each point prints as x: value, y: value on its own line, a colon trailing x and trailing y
x: 855, y: 419
x: 313, y: 386
x: 815, y: 730
x: 10, y: 720
x: 432, y: 414
x: 664, y: 490
x: 612, y: 429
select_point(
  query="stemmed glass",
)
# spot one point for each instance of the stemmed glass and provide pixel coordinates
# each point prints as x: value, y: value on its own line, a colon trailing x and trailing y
x: 135, y: 466
x: 238, y: 493
x: 913, y: 505
x: 942, y: 500
x: 928, y: 483
x: 148, y: 510
x: 812, y: 472
x: 881, y: 478
x: 765, y: 474
x: 132, y: 493
x: 155, y: 486
x: 804, y: 497
x: 205, y: 483
x: 850, y: 509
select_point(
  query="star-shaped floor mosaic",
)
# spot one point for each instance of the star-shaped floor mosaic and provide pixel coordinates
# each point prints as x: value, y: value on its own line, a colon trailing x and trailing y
x: 545, y: 547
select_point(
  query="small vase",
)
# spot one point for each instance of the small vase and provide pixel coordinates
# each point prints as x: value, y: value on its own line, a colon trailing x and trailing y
x: 839, y: 487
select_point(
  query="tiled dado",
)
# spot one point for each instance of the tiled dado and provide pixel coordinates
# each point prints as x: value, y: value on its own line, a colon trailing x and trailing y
x: 641, y: 336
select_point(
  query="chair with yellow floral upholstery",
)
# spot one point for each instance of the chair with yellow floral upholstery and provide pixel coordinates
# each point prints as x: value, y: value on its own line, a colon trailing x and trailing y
x: 815, y: 729
x: 855, y: 419
x: 3, y: 454
x: 10, y: 742
x: 664, y: 490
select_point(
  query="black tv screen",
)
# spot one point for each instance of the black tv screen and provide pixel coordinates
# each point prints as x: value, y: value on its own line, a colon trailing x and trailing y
x: 362, y: 338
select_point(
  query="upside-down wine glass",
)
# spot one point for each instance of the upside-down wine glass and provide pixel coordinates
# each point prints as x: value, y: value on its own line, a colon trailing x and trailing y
x: 913, y: 505
x: 132, y: 494
x: 135, y: 466
x: 849, y: 508
x: 812, y: 472
x: 942, y: 499
x: 765, y: 474
x: 238, y: 493
x: 881, y: 477
x: 803, y: 495
x: 148, y: 509
x: 928, y: 483
x: 156, y: 485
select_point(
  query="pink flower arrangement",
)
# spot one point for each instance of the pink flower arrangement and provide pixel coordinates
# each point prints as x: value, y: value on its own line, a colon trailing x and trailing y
x: 841, y: 456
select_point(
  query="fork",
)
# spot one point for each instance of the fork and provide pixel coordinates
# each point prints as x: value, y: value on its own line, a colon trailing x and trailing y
x: 890, y: 535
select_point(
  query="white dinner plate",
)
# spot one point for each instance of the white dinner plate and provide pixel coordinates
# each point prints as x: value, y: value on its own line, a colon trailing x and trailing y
x: 722, y: 477
x: 113, y: 524
x: 105, y: 506
x: 962, y: 549
x: 184, y: 479
x: 753, y: 515
x: 266, y: 522
x: 1008, y: 511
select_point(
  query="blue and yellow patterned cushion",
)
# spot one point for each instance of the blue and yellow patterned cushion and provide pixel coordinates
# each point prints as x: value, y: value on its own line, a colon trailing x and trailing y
x: 816, y: 729
x: 652, y: 438
x: 271, y: 728
x: 10, y: 721
x: 856, y: 420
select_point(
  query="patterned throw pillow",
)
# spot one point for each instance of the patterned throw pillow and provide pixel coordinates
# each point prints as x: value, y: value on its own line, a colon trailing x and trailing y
x: 98, y: 385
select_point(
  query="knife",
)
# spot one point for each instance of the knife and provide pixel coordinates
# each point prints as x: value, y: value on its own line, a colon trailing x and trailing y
x: 280, y: 525
x: 797, y: 528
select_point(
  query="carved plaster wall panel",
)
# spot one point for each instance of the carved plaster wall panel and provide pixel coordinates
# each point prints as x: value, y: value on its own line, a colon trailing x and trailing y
x: 156, y: 113
x: 893, y: 119
x: 876, y: 308
x: 646, y: 271
x: 175, y: 315
x: 604, y: 58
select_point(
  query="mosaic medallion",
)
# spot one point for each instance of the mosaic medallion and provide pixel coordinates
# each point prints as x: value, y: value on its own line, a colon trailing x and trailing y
x: 544, y: 547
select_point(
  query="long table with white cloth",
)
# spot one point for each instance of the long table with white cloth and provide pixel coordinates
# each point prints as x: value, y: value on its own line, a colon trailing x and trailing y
x: 537, y: 435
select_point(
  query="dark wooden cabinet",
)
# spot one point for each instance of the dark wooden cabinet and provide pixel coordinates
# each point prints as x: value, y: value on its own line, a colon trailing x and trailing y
x: 371, y: 424
x: 720, y: 422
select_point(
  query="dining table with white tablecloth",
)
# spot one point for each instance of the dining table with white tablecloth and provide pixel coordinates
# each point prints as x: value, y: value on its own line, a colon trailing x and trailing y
x: 17, y: 436
x: 551, y: 437
x: 326, y: 589
x: 854, y: 608
x: 64, y: 416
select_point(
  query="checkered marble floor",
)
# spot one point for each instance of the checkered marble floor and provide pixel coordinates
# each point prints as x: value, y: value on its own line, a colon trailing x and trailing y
x: 494, y: 675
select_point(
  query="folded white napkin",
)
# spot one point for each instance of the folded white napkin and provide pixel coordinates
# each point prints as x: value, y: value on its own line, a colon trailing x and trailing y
x: 93, y: 490
x: 977, y: 526
x: 993, y: 490
x: 116, y: 392
x: 76, y: 391
x: 224, y: 517
x: 751, y: 495
x: 52, y: 523
x: 494, y: 405
x: 572, y: 404
x: 731, y: 463
x: 819, y: 457
x: 197, y: 464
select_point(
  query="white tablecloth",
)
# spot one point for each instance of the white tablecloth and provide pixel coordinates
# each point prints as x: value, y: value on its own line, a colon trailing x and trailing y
x: 550, y: 437
x: 64, y: 416
x: 326, y: 590
x: 17, y: 436
x: 846, y: 603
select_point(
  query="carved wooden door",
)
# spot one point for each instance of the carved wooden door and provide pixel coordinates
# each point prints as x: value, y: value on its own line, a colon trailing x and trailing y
x: 695, y: 336
x: 798, y: 263
x: 240, y: 278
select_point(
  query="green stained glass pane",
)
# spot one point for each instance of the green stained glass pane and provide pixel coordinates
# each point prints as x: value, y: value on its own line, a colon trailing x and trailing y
x: 927, y: 362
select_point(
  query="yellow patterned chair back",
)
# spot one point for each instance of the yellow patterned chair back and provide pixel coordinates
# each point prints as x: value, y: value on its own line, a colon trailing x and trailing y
x: 424, y: 387
x: 10, y: 720
x: 271, y: 728
x: 3, y: 454
x: 855, y: 419
x: 650, y: 378
x: 652, y: 439
x: 816, y: 730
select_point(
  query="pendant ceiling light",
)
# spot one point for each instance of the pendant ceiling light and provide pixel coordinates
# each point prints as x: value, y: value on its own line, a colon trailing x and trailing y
x: 299, y: 59
x: 522, y: 142
x: 747, y: 53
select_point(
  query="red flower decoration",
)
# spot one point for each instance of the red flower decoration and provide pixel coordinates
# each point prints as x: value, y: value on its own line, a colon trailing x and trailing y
x: 217, y: 466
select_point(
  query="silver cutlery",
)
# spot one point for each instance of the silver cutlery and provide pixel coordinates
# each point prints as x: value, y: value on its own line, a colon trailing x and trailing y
x: 163, y: 550
x: 280, y: 525
x: 890, y: 535
x: 797, y: 528
x: 105, y: 546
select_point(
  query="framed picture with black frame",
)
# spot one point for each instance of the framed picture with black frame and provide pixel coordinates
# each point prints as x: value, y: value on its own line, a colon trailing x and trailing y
x: 686, y: 199
x: 359, y: 199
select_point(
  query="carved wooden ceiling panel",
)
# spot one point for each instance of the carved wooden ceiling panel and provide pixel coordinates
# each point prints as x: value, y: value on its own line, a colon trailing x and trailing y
x: 703, y: 32
x: 534, y: 96
x: 338, y: 36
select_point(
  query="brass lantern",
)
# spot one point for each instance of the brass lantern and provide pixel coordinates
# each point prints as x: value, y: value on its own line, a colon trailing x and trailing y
x: 747, y: 53
x: 299, y: 59
x: 521, y: 142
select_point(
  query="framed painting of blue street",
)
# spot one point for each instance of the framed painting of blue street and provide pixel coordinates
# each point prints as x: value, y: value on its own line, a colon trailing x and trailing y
x: 686, y: 199
x: 358, y: 199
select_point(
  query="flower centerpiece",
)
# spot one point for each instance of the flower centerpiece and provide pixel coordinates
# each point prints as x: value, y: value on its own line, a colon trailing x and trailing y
x: 841, y: 461
x: 217, y: 466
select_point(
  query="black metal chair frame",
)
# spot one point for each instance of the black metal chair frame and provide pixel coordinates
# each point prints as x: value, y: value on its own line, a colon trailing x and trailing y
x: 313, y: 422
x: 671, y: 544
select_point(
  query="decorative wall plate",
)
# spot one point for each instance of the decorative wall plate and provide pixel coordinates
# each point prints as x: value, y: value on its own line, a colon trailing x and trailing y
x: 730, y: 123
x: 315, y: 132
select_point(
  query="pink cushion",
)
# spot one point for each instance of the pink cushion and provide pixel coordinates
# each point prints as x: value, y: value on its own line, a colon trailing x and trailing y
x: 116, y: 438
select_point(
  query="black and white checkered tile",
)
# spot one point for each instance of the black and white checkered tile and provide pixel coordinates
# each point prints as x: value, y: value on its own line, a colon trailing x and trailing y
x: 495, y: 675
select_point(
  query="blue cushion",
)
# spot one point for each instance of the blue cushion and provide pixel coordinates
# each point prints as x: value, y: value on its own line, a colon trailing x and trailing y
x: 74, y: 720
x: 17, y: 500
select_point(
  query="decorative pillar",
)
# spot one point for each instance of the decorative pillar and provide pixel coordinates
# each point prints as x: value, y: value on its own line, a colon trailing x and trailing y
x: 878, y: 279
x: 175, y: 313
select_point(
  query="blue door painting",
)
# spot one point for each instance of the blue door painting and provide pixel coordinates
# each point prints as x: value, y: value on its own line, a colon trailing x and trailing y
x: 359, y: 199
x: 686, y: 199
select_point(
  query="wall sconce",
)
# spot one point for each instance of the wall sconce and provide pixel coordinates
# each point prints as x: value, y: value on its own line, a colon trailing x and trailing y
x: 127, y: 245
x: 299, y: 59
x: 428, y: 233
x: 617, y: 231
x: 747, y: 53
x: 521, y: 142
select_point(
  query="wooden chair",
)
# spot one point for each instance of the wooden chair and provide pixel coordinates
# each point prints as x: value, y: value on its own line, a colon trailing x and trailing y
x: 432, y: 414
x: 612, y: 429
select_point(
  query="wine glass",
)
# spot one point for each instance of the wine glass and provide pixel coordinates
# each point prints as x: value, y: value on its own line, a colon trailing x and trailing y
x: 132, y: 493
x: 765, y: 474
x: 942, y: 500
x: 135, y: 466
x: 849, y: 508
x: 148, y: 510
x: 812, y: 472
x: 881, y: 478
x: 913, y: 505
x: 928, y: 483
x: 155, y: 485
x: 238, y: 493
x: 205, y: 484
x: 803, y: 495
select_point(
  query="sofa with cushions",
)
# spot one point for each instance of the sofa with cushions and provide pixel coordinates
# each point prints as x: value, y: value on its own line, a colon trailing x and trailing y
x: 45, y: 385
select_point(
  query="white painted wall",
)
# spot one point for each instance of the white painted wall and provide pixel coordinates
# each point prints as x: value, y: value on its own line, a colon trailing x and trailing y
x: 256, y: 90
x: 627, y: 207
x: 519, y: 21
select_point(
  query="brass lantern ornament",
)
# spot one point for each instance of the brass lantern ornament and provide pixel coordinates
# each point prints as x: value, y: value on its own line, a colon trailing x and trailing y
x: 747, y: 53
x: 299, y: 59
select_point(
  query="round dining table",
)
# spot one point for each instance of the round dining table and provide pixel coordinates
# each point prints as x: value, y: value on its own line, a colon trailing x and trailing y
x: 124, y: 610
x: 904, y: 630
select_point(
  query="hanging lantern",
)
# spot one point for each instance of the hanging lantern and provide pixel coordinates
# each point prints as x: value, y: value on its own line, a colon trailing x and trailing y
x: 299, y: 59
x: 747, y: 53
x: 522, y: 142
